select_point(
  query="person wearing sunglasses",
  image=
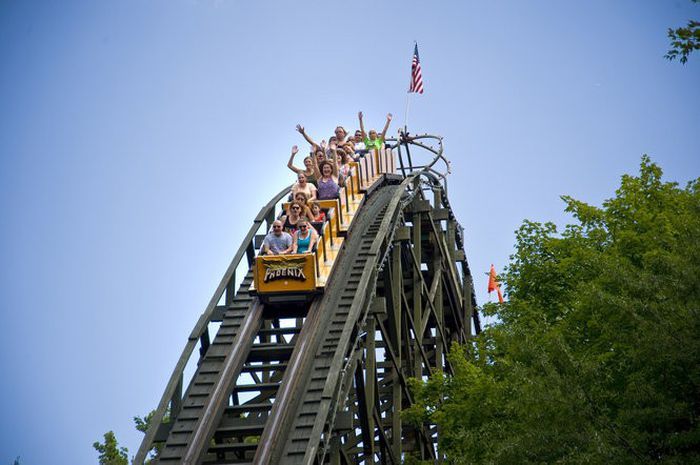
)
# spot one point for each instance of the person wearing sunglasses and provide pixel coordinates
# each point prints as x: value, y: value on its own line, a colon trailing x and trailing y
x: 304, y: 238
x: 360, y: 148
x: 291, y: 221
x: 277, y: 241
x: 303, y: 202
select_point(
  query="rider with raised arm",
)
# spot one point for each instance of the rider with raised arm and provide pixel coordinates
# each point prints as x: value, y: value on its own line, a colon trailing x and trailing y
x: 374, y: 141
x: 327, y: 176
x: 338, y: 139
x: 300, y: 130
x: 308, y: 164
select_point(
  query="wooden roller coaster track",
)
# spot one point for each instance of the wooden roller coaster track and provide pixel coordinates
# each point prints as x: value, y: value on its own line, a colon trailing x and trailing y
x: 326, y: 381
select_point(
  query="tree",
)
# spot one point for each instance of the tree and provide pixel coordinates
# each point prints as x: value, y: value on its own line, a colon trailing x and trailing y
x: 684, y: 40
x: 110, y: 452
x: 596, y: 356
x: 142, y: 424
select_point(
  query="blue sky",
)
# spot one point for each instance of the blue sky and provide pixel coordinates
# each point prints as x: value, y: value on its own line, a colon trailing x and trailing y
x: 138, y: 139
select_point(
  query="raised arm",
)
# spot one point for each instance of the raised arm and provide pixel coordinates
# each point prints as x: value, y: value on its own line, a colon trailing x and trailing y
x: 386, y: 126
x: 300, y: 128
x: 314, y: 166
x: 362, y: 126
x: 290, y: 164
x: 333, y: 159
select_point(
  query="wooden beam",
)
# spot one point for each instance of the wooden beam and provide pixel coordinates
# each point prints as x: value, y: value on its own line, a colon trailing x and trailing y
x: 371, y: 376
x: 362, y: 409
x: 440, y: 214
x: 417, y: 279
x: 402, y: 233
x: 394, y: 348
x: 420, y: 206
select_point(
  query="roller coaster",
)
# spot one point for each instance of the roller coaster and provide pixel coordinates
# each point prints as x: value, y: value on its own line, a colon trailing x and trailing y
x: 314, y: 370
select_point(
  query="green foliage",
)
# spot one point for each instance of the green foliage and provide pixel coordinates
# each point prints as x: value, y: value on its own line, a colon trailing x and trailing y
x: 142, y: 424
x: 684, y: 40
x: 412, y: 460
x: 251, y: 439
x: 110, y: 452
x: 596, y: 356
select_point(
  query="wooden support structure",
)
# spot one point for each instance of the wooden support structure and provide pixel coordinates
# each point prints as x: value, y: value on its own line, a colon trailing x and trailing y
x: 326, y: 380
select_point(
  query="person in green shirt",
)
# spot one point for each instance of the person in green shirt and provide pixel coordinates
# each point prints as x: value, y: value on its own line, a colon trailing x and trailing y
x: 374, y: 140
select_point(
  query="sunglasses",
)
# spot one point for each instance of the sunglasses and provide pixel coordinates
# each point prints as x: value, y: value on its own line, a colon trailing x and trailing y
x: 303, y: 227
x: 296, y: 208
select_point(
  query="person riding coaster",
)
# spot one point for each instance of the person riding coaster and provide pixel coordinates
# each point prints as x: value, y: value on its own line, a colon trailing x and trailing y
x: 308, y: 166
x: 304, y: 238
x: 374, y: 141
x: 327, y: 177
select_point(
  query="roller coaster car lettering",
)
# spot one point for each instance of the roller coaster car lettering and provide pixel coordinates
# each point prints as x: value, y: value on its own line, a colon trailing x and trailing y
x: 298, y: 278
x: 285, y: 277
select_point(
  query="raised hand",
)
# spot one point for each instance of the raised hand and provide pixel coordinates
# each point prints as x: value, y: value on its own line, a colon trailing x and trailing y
x: 359, y: 114
x: 295, y: 149
x: 300, y: 128
x: 389, y: 116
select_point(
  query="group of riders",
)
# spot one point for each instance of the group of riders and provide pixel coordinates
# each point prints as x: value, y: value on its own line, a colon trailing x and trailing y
x: 324, y: 173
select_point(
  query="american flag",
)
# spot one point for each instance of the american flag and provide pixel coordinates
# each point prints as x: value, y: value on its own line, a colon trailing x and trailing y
x: 416, y: 74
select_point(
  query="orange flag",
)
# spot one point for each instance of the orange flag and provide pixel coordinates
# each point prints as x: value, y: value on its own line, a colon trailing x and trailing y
x: 494, y: 285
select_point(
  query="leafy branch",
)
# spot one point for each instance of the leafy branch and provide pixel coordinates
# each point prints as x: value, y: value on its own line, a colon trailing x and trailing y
x: 684, y: 41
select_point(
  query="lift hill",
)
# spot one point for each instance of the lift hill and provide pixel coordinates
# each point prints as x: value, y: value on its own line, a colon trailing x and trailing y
x: 314, y: 370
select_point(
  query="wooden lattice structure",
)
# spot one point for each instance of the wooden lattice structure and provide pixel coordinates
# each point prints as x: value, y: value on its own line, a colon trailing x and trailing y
x: 324, y: 379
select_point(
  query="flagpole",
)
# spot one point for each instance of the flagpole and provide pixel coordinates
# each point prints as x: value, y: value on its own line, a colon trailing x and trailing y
x: 410, y: 88
x: 405, y: 120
